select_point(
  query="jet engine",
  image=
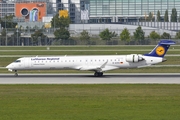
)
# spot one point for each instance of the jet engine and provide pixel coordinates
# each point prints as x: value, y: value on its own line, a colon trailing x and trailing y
x: 134, y: 58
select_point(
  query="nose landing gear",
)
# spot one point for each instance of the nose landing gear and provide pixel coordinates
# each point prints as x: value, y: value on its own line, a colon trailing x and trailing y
x: 15, y: 74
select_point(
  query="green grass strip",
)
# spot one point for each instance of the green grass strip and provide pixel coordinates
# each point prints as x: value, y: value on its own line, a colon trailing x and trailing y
x: 90, y: 102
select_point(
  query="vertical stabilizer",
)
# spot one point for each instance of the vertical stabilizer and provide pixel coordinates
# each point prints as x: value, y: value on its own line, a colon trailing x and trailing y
x: 161, y: 48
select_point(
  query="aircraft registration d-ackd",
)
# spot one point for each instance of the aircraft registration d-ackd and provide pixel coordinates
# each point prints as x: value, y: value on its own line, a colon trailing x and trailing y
x: 96, y: 63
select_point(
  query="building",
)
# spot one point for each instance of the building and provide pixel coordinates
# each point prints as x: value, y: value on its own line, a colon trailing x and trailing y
x: 6, y: 9
x: 108, y: 11
x: 74, y: 7
x: 33, y: 11
x: 132, y: 12
x: 114, y: 11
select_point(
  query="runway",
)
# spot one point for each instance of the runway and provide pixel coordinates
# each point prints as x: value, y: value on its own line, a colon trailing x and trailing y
x: 108, y: 78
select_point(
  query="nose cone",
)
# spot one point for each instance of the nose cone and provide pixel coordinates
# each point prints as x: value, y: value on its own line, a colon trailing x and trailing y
x: 9, y: 67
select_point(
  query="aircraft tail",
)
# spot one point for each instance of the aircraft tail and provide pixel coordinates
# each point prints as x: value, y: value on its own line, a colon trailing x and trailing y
x: 161, y: 48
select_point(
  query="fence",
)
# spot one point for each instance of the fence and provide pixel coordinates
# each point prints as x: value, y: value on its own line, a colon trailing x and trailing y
x: 93, y: 30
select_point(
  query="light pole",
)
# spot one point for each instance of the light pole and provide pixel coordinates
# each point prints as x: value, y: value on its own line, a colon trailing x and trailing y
x: 54, y: 21
x: 0, y: 39
x: 17, y: 36
x: 6, y: 37
x: 6, y: 31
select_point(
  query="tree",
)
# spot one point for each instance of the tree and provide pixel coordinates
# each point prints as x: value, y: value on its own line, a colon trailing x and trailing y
x: 166, y: 19
x: 84, y: 36
x: 139, y: 35
x: 60, y: 22
x: 125, y: 35
x: 177, y: 35
x: 7, y: 22
x: 174, y: 15
x: 154, y: 35
x: 150, y: 18
x: 3, y: 37
x: 16, y: 36
x: 37, y: 37
x: 107, y: 35
x: 62, y: 34
x: 3, y: 32
x: 165, y: 36
x: 158, y: 16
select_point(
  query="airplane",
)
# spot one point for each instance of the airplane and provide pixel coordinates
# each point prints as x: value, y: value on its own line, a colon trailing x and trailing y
x: 96, y: 63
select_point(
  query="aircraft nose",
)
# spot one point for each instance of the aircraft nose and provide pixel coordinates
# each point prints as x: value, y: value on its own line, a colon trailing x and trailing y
x: 9, y: 67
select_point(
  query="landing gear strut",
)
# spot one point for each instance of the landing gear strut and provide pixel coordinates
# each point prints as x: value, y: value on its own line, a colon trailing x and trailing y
x: 98, y: 74
x: 15, y: 74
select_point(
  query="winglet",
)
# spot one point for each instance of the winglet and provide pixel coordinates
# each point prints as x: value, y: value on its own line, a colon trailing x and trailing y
x: 161, y: 48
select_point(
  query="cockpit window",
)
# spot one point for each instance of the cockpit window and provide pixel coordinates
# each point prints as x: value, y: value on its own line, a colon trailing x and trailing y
x: 17, y: 61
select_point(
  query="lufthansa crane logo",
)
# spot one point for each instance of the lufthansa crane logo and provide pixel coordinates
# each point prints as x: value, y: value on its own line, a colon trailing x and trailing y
x: 160, y: 50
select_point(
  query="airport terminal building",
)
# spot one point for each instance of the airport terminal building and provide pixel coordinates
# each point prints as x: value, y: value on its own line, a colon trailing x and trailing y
x: 129, y: 10
x: 106, y: 11
x: 96, y: 15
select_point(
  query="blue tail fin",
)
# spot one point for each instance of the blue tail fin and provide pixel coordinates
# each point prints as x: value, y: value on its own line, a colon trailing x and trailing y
x: 161, y: 48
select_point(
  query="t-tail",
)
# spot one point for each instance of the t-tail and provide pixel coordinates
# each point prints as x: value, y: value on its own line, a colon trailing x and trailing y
x: 161, y: 48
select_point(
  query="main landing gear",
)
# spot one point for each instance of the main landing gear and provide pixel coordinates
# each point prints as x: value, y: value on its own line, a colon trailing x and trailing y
x: 15, y: 74
x: 98, y: 74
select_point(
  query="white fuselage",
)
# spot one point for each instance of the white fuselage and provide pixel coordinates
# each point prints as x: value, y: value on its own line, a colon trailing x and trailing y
x: 92, y: 63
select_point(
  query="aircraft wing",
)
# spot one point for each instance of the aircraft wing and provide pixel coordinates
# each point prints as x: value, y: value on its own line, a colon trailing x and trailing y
x: 94, y: 68
x: 101, y: 68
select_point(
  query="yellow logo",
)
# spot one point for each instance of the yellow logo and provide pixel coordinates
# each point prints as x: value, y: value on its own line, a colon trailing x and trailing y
x: 160, y: 50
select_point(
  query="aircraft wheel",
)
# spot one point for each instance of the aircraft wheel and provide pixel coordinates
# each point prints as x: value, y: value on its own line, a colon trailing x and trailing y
x: 16, y: 74
x: 98, y: 74
x: 101, y: 73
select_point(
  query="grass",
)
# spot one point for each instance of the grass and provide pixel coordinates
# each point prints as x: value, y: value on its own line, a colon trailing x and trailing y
x: 101, y: 47
x: 90, y: 102
x: 35, y: 53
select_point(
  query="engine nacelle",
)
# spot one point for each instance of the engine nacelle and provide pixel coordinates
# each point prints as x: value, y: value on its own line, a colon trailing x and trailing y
x: 134, y: 58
